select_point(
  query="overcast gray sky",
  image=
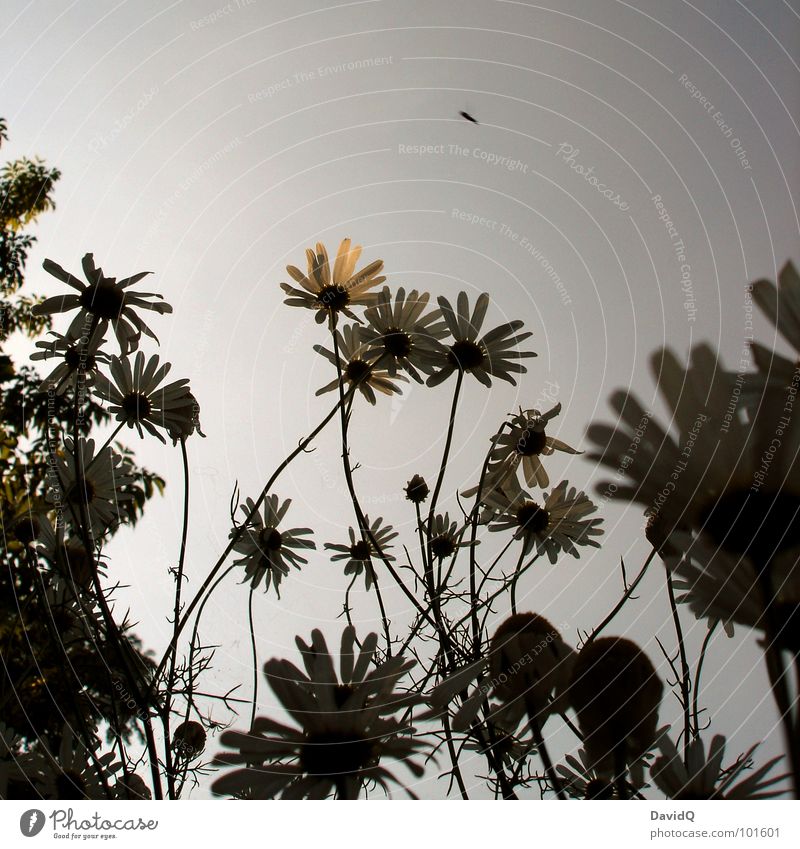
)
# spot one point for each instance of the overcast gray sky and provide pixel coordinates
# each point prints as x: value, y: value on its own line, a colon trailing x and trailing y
x: 212, y: 143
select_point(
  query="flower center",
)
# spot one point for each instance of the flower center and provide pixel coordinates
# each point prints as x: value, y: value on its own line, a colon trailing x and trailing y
x: 332, y: 753
x: 442, y: 546
x: 466, y: 355
x: 357, y: 370
x: 136, y: 406
x: 270, y: 539
x: 104, y: 299
x: 759, y: 525
x: 333, y: 297
x: 360, y: 551
x: 532, y: 518
x: 531, y: 442
x: 341, y: 693
x: 74, y: 360
x: 85, y: 493
x: 397, y: 343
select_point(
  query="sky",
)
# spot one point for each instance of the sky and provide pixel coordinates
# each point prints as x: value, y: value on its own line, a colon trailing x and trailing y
x: 634, y: 165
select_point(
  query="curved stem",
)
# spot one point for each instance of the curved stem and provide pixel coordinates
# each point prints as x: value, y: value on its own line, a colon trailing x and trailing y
x: 513, y: 588
x: 235, y: 536
x: 696, y: 688
x: 254, y: 652
x: 445, y: 456
x: 170, y: 684
x: 625, y: 597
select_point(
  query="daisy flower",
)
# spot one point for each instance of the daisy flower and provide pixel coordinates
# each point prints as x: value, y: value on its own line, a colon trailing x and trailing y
x: 267, y: 552
x: 704, y: 777
x: 557, y: 523
x: 616, y: 695
x: 580, y: 781
x: 76, y: 352
x: 346, y: 727
x: 182, y: 418
x: 359, y: 552
x: 444, y: 537
x: 333, y: 293
x: 406, y: 336
x: 105, y: 478
x: 65, y: 552
x: 723, y: 587
x: 106, y: 300
x: 137, y: 399
x: 727, y: 488
x: 528, y: 670
x: 132, y: 788
x: 492, y: 355
x: 72, y: 773
x: 522, y: 444
x: 358, y: 368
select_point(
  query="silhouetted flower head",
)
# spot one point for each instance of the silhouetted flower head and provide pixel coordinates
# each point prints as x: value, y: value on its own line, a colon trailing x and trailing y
x: 132, y: 787
x: 137, y: 399
x: 359, y: 368
x: 554, y: 524
x: 725, y: 493
x: 99, y: 490
x: 79, y: 358
x: 108, y: 301
x: 73, y: 772
x: 267, y: 552
x: 491, y: 355
x: 417, y: 490
x: 529, y: 662
x: 360, y: 551
x: 616, y: 694
x: 189, y: 739
x: 347, y: 727
x: 445, y: 538
x: 333, y: 291
x: 403, y: 334
x: 523, y: 444
x: 705, y: 778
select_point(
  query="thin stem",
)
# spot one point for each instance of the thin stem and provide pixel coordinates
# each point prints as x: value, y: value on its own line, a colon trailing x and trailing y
x: 514, y: 581
x: 541, y: 748
x: 254, y: 651
x: 685, y: 678
x: 445, y: 456
x: 625, y: 597
x: 363, y: 525
x: 696, y: 687
x: 176, y: 617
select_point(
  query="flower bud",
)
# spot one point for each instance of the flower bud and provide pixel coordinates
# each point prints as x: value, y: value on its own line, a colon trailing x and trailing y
x: 417, y: 490
x: 616, y: 694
